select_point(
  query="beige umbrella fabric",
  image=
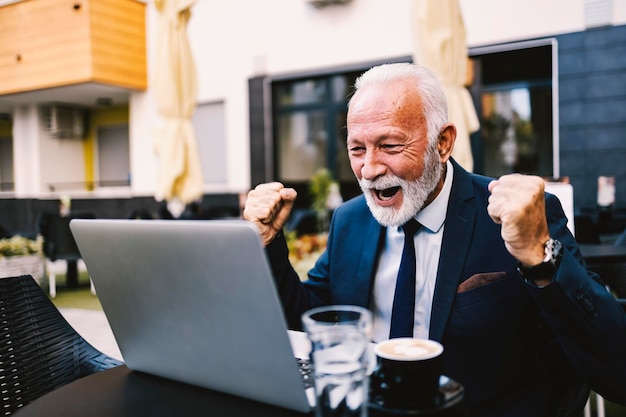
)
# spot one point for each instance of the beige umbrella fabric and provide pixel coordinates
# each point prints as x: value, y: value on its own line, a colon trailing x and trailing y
x: 441, y: 46
x: 180, y: 178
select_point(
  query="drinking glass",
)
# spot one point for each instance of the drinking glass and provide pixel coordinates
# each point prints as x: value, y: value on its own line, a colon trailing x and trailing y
x: 340, y: 337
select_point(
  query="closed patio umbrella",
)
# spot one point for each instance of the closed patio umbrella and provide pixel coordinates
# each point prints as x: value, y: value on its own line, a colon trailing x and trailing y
x: 440, y: 45
x: 180, y: 178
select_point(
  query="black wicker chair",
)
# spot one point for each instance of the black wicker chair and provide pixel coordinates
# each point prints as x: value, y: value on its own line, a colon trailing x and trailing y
x: 39, y: 349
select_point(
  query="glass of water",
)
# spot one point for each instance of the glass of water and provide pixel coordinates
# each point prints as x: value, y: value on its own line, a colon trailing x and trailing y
x: 340, y: 336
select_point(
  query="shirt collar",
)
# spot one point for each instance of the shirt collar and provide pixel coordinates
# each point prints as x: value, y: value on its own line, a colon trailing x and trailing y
x: 433, y: 215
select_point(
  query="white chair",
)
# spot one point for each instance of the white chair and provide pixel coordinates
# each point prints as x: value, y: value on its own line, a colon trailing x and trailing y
x: 59, y: 246
x: 599, y: 407
x: 54, y: 268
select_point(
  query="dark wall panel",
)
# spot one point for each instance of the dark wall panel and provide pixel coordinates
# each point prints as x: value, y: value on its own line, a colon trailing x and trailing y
x: 592, y: 105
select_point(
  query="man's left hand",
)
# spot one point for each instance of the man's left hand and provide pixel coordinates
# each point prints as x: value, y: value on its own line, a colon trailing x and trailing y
x: 517, y: 202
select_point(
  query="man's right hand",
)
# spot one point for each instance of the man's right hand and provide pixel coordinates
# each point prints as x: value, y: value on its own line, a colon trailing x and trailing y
x: 269, y: 206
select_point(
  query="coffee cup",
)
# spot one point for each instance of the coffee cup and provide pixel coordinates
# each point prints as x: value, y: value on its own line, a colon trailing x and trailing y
x: 407, y: 374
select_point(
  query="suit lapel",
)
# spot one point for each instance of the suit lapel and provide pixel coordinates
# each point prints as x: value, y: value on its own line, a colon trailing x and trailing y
x: 367, y: 264
x: 457, y: 237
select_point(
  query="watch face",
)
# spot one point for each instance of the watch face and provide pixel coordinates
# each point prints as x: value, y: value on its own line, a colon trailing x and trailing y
x: 556, y: 251
x: 546, y: 269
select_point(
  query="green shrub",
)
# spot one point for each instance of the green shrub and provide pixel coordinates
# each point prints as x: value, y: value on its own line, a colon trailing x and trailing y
x: 19, y: 246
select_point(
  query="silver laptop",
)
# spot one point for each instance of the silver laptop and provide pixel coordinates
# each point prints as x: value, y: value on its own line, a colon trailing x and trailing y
x: 195, y: 301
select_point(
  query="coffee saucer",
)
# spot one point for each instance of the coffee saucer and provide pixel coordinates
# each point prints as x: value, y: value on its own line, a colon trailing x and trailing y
x: 448, y: 403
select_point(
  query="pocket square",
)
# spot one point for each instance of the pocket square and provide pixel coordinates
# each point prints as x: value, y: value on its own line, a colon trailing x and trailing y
x: 478, y: 280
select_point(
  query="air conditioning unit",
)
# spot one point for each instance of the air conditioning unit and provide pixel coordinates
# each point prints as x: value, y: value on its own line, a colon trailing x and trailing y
x: 65, y: 122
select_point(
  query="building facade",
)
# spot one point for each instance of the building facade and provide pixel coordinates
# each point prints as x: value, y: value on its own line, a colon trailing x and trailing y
x: 549, y: 85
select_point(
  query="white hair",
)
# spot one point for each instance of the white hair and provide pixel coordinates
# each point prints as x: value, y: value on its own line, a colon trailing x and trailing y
x: 435, y: 105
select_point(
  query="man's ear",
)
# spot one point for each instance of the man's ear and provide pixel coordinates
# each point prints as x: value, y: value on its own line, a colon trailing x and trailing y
x: 445, y: 142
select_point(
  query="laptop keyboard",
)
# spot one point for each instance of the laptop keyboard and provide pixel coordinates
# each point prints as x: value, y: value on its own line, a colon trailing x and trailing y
x: 306, y: 371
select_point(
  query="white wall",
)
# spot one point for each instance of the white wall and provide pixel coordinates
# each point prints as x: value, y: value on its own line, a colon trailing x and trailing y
x: 494, y: 21
x: 235, y: 40
x: 62, y: 161
x: 26, y: 160
x: 40, y: 159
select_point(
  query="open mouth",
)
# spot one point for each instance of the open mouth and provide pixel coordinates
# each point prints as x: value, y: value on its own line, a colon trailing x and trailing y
x: 387, y: 193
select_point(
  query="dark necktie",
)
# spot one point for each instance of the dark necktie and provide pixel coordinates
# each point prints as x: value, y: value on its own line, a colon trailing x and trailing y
x: 403, y: 311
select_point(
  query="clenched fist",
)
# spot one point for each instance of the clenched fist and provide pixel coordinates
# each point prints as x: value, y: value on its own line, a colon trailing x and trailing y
x: 517, y: 202
x: 268, y: 206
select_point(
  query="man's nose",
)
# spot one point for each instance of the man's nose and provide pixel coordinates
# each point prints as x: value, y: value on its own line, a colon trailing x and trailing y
x: 372, y: 166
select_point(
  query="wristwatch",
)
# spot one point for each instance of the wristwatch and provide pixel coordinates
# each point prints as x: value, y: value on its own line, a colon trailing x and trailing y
x: 554, y: 252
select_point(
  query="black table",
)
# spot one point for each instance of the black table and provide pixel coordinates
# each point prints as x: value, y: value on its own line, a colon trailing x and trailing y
x: 120, y: 392
x: 603, y: 253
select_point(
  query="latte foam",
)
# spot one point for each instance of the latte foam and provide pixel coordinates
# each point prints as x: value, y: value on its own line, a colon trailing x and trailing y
x: 408, y: 349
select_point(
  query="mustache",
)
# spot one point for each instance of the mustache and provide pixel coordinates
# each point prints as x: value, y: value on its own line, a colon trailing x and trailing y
x: 382, y: 183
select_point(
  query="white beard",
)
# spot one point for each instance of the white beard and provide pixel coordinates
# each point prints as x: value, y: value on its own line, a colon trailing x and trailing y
x: 414, y: 193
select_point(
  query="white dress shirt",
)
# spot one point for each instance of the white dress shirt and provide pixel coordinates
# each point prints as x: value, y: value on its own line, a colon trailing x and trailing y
x: 427, y: 249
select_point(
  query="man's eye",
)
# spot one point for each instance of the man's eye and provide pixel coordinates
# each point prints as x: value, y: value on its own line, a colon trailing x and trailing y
x: 356, y: 149
x: 392, y: 147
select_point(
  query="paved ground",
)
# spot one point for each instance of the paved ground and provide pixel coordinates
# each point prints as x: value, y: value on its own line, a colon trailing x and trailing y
x: 93, y: 326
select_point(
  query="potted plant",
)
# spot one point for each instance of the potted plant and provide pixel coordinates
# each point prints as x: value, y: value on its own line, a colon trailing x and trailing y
x: 21, y: 256
x: 325, y: 194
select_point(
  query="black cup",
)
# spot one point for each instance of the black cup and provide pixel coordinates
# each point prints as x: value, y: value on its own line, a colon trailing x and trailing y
x: 407, y: 374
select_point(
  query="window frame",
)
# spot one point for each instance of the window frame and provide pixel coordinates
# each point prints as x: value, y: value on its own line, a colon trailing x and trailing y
x: 476, y: 52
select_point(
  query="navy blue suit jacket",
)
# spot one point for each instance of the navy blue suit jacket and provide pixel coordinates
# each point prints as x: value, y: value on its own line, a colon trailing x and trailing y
x: 511, y: 344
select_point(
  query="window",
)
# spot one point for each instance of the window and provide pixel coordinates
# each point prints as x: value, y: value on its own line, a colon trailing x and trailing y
x: 209, y: 126
x: 6, y: 153
x: 113, y: 156
x: 6, y: 164
x: 309, y: 130
x: 516, y: 90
